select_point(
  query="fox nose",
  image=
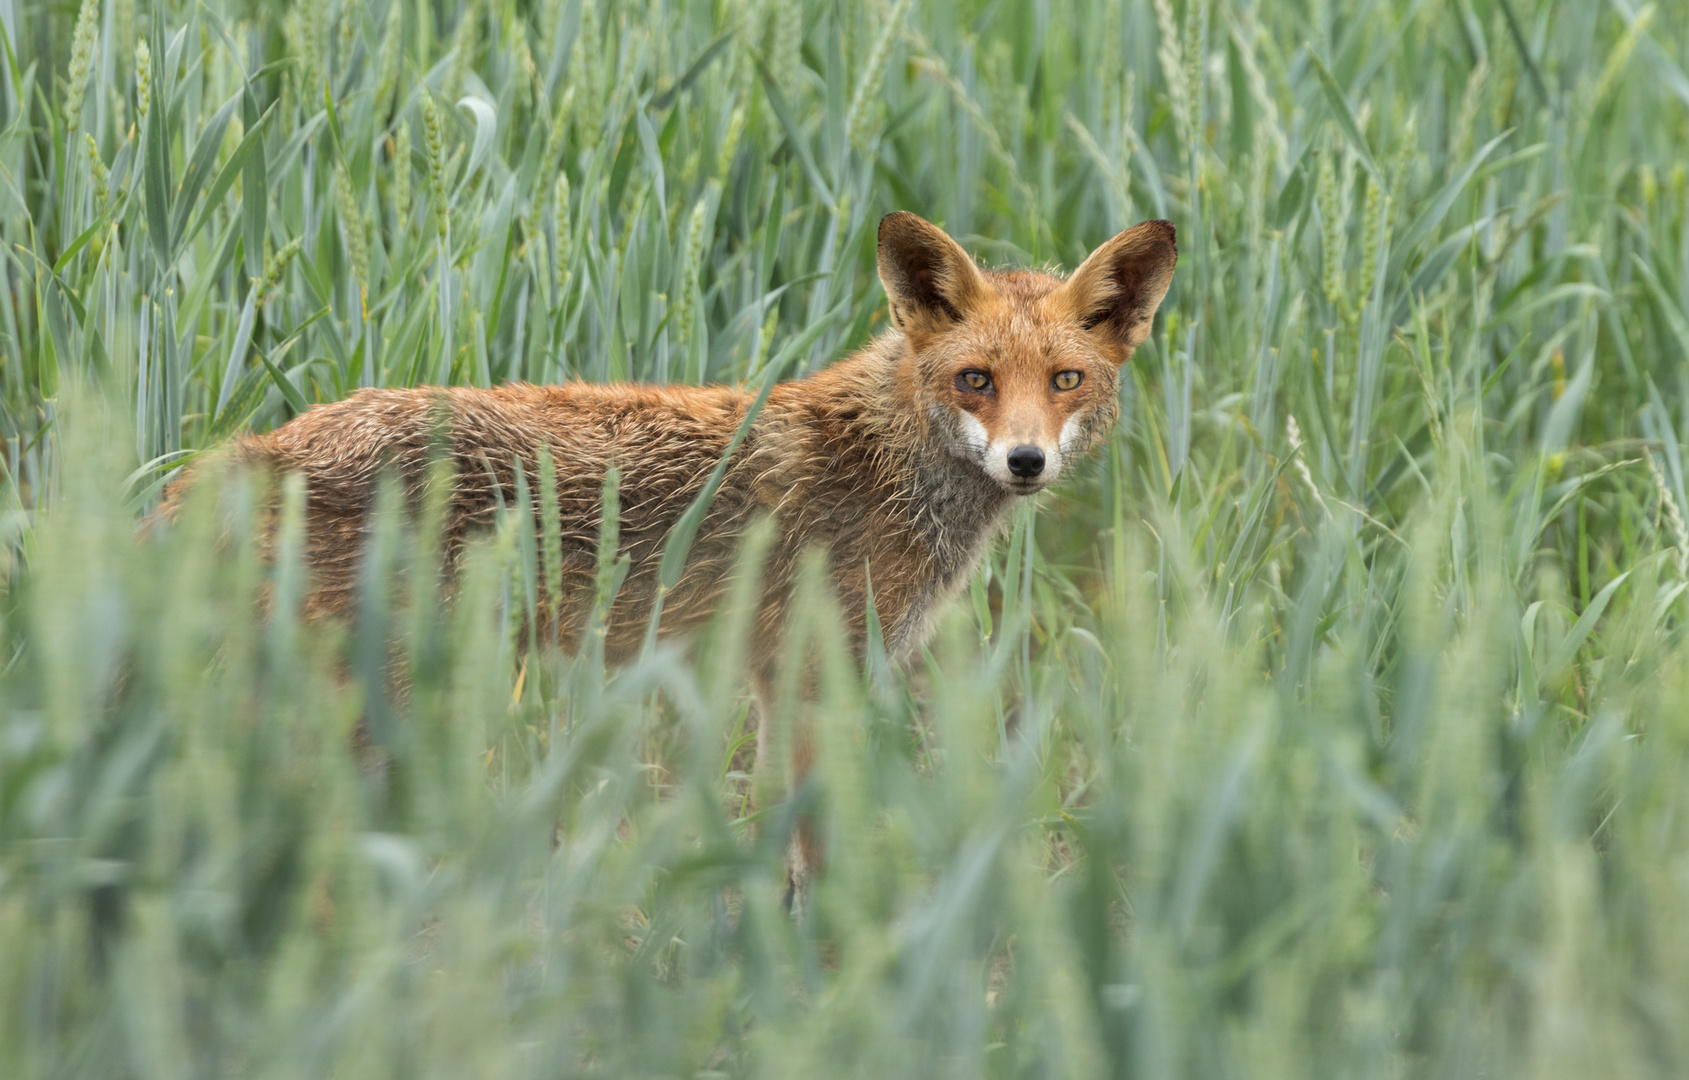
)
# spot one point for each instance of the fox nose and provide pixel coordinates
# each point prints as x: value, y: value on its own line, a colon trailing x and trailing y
x: 1026, y: 461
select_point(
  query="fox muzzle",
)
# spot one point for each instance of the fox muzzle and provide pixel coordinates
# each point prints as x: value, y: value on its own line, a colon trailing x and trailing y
x: 1026, y: 461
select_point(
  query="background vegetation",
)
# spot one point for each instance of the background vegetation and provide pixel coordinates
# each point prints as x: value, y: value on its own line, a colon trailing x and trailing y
x: 1334, y: 721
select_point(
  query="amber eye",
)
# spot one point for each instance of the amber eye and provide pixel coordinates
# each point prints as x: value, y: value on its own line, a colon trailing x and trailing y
x: 974, y: 379
x: 1067, y: 380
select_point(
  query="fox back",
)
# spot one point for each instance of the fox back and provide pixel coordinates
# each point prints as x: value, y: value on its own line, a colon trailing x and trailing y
x: 899, y: 462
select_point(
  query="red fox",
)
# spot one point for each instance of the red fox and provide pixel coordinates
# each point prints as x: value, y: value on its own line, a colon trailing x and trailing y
x: 899, y: 462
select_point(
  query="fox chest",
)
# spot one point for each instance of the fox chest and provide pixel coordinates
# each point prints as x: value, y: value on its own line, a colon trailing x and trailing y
x: 953, y: 517
x: 904, y: 533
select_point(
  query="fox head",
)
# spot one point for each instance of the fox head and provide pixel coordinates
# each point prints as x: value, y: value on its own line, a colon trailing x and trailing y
x: 1019, y: 371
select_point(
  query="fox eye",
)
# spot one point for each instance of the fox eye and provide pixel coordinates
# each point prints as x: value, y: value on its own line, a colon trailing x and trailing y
x: 1067, y: 380
x: 973, y: 379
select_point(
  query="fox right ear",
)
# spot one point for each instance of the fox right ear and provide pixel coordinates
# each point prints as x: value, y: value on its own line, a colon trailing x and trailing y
x: 929, y: 279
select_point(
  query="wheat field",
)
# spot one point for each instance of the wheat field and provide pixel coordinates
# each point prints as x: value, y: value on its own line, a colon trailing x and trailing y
x: 1333, y: 721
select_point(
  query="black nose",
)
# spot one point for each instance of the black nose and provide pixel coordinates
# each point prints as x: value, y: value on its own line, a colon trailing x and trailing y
x: 1026, y: 461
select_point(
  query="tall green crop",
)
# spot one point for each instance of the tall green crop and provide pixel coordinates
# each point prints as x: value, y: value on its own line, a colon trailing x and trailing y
x: 1331, y: 722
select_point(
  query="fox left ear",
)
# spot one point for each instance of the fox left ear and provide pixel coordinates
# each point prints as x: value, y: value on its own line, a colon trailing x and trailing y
x: 1116, y: 290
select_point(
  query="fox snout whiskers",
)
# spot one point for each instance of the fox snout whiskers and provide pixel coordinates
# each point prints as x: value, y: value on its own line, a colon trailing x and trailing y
x: 1026, y: 462
x: 1024, y: 468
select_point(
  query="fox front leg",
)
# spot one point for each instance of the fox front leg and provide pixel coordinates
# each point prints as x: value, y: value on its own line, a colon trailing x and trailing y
x: 785, y: 758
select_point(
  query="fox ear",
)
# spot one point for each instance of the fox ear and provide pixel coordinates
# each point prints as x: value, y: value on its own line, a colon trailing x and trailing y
x: 1116, y: 290
x: 929, y: 279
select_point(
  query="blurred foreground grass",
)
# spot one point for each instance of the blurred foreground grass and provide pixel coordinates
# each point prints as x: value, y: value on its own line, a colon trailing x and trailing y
x: 1334, y: 722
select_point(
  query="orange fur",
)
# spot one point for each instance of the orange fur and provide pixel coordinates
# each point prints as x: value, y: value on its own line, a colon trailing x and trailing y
x: 886, y: 460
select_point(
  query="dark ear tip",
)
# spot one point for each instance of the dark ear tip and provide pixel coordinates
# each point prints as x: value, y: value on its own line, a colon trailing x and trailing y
x: 1166, y: 229
x: 895, y: 220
